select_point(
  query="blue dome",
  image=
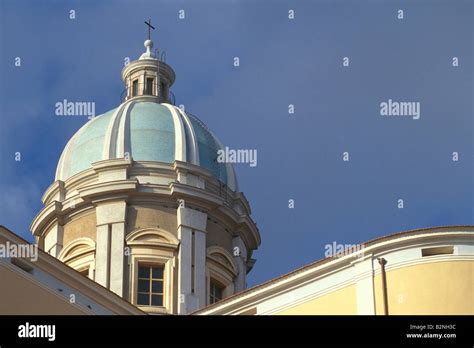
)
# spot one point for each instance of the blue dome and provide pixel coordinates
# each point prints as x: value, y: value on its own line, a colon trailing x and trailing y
x: 147, y: 131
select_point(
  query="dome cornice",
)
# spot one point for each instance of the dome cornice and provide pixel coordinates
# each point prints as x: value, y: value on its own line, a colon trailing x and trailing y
x: 162, y: 68
x: 125, y: 179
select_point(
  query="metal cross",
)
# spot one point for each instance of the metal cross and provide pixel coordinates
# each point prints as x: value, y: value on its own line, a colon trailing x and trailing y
x: 149, y: 28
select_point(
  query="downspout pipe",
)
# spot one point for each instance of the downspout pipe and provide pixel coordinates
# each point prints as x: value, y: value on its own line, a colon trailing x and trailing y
x: 382, y: 263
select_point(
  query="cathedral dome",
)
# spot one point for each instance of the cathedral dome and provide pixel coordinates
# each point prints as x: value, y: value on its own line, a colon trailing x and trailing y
x: 144, y: 130
x: 149, y: 177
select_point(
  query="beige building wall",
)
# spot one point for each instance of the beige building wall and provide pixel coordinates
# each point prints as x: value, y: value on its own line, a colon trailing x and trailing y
x: 444, y: 287
x: 21, y: 292
x: 37, y: 284
x: 84, y: 226
x: 217, y: 235
x: 339, y: 302
x: 140, y: 216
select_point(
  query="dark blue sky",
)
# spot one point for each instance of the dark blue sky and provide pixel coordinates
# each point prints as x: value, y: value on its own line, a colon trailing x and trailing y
x: 282, y: 62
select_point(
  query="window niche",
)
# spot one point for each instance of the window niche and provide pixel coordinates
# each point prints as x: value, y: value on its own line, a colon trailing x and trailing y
x: 134, y: 88
x: 163, y: 91
x: 152, y: 257
x: 80, y: 255
x: 221, y: 272
x: 149, y: 86
x: 216, y: 291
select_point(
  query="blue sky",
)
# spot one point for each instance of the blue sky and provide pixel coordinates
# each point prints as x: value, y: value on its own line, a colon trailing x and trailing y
x: 281, y: 62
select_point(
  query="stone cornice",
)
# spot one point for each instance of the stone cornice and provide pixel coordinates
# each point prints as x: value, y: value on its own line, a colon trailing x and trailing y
x: 85, y: 190
x: 86, y: 176
x: 110, y: 164
x: 186, y: 191
x: 153, y: 64
x: 192, y: 168
x: 107, y: 188
x: 55, y: 188
x: 50, y: 211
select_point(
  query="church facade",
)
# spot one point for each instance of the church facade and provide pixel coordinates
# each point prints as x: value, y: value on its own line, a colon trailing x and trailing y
x: 142, y: 219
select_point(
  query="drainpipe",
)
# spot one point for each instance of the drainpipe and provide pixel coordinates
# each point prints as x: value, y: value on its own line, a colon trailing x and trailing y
x: 382, y: 263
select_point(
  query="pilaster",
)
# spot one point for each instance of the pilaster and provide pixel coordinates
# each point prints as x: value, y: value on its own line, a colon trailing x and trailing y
x: 192, y: 259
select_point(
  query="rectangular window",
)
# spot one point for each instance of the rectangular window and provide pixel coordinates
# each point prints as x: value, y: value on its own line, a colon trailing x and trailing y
x: 216, y: 291
x: 149, y: 86
x: 445, y: 250
x: 134, y: 88
x: 150, y: 285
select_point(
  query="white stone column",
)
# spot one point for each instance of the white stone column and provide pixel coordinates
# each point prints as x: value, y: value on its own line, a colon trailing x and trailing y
x: 240, y: 282
x: 200, y: 268
x: 192, y: 252
x: 117, y: 258
x: 184, y: 267
x: 53, y: 242
x: 364, y: 280
x: 102, y: 253
x: 110, y: 243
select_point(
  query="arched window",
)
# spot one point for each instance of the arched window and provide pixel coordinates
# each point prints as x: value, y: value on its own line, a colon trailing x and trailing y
x: 80, y: 255
x: 221, y: 272
x: 152, y: 255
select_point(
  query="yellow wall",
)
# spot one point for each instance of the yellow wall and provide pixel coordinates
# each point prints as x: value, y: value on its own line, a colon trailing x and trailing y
x: 84, y: 226
x: 151, y: 217
x: 216, y: 235
x: 444, y: 287
x: 21, y: 296
x: 342, y: 301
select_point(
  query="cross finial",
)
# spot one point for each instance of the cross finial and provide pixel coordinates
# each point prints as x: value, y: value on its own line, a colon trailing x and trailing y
x: 149, y: 28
